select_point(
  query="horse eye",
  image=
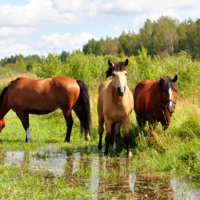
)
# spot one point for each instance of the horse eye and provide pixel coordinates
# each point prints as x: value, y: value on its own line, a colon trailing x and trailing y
x: 113, y: 74
x: 126, y: 74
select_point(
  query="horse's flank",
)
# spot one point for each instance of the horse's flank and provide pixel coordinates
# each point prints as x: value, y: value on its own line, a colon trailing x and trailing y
x: 41, y: 96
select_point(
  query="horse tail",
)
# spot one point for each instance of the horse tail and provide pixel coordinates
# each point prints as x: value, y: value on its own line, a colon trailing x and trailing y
x: 84, y: 102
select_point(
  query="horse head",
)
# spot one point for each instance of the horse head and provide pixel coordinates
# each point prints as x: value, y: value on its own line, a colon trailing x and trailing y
x: 118, y: 72
x: 168, y: 88
x: 2, y: 124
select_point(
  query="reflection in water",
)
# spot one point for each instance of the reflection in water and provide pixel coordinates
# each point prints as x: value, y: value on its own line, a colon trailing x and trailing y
x: 183, y: 191
x: 132, y: 180
x: 104, y: 177
x: 94, y: 182
x: 14, y: 157
x: 76, y: 162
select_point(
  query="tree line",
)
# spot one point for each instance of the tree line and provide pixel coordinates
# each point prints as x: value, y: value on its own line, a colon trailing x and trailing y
x: 164, y: 37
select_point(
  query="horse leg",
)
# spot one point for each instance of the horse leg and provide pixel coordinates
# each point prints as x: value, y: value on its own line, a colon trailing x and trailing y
x: 141, y: 122
x: 100, y: 130
x: 126, y: 123
x: 152, y: 122
x: 108, y: 138
x: 165, y: 124
x: 155, y: 125
x: 116, y: 134
x: 24, y: 117
x: 69, y: 122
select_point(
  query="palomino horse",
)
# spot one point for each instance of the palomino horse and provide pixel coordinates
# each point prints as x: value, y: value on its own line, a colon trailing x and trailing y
x: 115, y: 105
x: 154, y: 101
x: 27, y: 96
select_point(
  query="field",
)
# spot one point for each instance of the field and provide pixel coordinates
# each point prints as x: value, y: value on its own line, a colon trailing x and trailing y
x: 48, y: 168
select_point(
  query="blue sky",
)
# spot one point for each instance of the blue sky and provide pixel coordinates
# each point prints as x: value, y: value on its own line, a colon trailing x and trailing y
x: 39, y: 26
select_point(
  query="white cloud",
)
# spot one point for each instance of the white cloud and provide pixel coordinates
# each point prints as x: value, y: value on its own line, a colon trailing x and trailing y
x: 116, y: 28
x: 8, y: 41
x: 14, y: 31
x: 138, y: 22
x: 34, y: 13
x: 84, y: 7
x: 153, y: 5
x: 116, y: 7
x: 68, y: 5
x: 65, y: 41
x: 9, y: 47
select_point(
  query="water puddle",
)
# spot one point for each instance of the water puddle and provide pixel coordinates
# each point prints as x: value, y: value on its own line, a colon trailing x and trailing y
x: 103, y: 176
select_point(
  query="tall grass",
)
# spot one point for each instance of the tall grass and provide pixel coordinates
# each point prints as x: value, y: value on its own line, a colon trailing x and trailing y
x: 91, y: 69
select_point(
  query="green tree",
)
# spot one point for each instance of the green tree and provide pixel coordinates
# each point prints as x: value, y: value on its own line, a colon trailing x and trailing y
x: 64, y: 56
x: 89, y: 48
x: 146, y: 35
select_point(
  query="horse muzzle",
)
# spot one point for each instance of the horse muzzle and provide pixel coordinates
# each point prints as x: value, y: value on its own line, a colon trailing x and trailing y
x: 171, y: 105
x: 121, y: 90
x: 171, y: 108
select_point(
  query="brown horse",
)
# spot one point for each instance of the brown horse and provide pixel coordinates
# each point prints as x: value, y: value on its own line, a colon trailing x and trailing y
x: 27, y: 96
x: 115, y: 104
x: 154, y: 101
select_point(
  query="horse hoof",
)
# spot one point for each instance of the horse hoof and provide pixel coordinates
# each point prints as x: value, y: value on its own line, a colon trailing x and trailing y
x: 87, y: 137
x: 114, y: 146
x: 130, y: 155
x: 100, y: 147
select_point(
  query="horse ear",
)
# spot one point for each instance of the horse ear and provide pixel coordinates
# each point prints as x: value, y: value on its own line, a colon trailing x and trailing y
x: 126, y: 62
x: 162, y: 79
x: 110, y: 63
x: 109, y: 72
x: 175, y: 78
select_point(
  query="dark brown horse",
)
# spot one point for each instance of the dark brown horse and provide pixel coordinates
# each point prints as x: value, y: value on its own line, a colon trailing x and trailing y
x: 28, y: 96
x: 115, y: 104
x: 155, y: 101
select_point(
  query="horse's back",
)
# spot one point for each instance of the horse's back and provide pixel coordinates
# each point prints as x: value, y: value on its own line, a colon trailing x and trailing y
x: 142, y: 85
x: 42, y: 94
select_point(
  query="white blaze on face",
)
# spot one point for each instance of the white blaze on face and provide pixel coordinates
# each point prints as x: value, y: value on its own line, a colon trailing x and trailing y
x: 170, y: 96
x: 120, y: 80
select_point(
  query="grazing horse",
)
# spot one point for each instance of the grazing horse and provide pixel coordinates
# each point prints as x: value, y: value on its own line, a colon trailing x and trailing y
x: 115, y: 104
x: 154, y: 101
x: 28, y: 96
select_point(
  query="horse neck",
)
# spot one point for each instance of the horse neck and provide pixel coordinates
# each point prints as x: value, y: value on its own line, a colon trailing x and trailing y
x: 160, y: 95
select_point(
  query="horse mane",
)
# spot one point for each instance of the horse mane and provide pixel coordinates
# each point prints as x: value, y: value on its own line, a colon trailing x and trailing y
x: 120, y: 66
x: 167, y: 84
x: 5, y: 89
